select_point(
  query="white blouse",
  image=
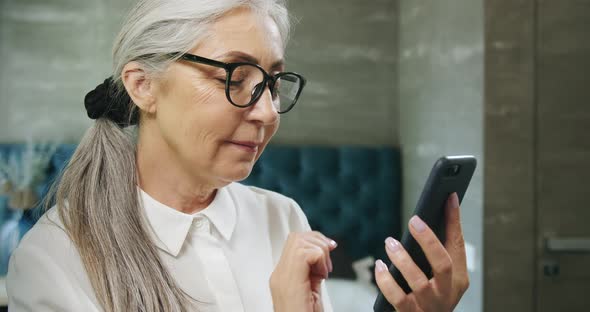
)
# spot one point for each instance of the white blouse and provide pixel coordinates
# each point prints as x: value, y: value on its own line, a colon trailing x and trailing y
x: 222, y: 256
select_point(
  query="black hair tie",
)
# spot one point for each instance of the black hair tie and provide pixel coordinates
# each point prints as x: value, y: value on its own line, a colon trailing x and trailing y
x: 104, y: 101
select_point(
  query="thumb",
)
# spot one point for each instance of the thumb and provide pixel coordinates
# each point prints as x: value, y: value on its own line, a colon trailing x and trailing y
x: 455, y: 243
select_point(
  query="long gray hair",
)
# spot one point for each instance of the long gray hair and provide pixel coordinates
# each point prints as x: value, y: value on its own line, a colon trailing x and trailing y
x: 97, y: 195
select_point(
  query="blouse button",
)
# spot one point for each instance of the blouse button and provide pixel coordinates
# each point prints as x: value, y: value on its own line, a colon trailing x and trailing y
x: 201, y: 225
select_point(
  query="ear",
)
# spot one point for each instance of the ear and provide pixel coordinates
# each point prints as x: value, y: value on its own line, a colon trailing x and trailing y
x: 139, y: 87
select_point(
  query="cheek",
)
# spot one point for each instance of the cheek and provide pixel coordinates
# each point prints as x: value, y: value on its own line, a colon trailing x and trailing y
x: 272, y: 129
x: 189, y: 106
x: 186, y: 117
x: 269, y: 132
x: 209, y: 111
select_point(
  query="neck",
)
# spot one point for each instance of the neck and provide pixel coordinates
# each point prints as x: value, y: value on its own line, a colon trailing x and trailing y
x: 161, y: 175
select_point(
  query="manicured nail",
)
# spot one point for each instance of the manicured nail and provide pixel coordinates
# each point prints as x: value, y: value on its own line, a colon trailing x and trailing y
x: 333, y: 244
x: 392, y: 244
x: 454, y: 200
x: 380, y: 266
x: 417, y: 224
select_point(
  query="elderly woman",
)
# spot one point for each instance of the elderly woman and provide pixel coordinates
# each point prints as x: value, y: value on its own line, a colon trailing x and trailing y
x: 154, y: 220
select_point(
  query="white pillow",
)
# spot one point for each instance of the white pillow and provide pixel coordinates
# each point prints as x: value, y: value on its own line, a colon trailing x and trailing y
x: 354, y: 295
x: 351, y: 296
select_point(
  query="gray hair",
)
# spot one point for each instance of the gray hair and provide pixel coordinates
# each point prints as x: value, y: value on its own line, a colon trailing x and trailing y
x: 97, y: 196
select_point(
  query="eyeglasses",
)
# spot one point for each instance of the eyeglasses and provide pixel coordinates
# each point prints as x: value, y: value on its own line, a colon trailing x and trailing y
x: 245, y: 83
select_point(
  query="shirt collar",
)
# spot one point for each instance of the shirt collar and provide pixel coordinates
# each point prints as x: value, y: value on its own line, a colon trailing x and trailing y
x: 222, y: 213
x: 170, y: 227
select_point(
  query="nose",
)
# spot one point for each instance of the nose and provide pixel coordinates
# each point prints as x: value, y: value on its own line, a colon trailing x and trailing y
x: 264, y: 110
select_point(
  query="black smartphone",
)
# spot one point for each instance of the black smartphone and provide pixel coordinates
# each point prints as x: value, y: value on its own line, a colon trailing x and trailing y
x: 450, y: 174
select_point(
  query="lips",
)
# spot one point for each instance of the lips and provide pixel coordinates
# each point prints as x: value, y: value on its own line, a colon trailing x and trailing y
x: 249, y: 146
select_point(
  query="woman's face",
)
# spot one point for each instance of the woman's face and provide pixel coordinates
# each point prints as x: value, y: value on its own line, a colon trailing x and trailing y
x: 209, y: 137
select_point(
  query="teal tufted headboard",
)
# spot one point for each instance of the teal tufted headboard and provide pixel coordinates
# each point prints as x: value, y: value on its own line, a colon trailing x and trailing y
x: 349, y: 193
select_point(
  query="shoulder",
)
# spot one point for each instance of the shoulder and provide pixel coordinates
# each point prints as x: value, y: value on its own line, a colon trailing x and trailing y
x: 48, y: 235
x: 278, y: 207
x: 264, y: 194
x: 46, y: 269
x: 47, y: 240
x: 263, y: 198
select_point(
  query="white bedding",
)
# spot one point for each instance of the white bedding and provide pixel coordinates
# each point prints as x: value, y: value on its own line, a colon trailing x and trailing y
x: 350, y: 295
x: 354, y: 295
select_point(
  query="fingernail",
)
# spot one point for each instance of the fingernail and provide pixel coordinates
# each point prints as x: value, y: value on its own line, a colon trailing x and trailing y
x: 417, y: 224
x: 454, y: 200
x: 333, y: 244
x: 392, y: 244
x: 380, y: 266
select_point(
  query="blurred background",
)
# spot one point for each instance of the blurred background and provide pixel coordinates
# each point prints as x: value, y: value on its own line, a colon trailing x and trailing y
x: 392, y: 85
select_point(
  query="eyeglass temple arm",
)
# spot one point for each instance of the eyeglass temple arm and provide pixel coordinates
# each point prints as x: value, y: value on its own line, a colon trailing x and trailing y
x: 198, y: 59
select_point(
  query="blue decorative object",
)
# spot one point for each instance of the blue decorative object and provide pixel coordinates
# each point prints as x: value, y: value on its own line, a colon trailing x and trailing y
x: 23, y: 174
x: 11, y: 233
x: 3, y: 208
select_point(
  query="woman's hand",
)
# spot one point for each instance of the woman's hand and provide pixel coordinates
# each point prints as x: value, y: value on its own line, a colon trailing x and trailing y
x: 296, y: 281
x: 450, y: 279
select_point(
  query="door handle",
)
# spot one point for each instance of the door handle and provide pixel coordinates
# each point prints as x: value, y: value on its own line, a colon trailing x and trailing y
x: 568, y: 245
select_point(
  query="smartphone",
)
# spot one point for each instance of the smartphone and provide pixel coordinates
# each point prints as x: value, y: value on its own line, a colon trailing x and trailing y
x: 450, y: 174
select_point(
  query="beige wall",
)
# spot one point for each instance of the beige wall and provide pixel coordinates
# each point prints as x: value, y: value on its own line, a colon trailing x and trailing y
x: 54, y: 51
x: 441, y: 109
x: 348, y: 52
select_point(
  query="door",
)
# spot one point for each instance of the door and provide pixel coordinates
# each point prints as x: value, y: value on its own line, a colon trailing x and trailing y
x: 563, y: 155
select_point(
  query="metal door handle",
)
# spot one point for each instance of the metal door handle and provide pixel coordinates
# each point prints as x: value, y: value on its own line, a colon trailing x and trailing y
x: 577, y: 245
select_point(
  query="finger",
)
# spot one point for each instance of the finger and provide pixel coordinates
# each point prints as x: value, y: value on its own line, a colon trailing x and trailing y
x: 330, y: 243
x: 315, y: 258
x: 389, y: 287
x: 328, y: 240
x: 327, y: 244
x: 323, y: 242
x: 455, y: 243
x: 416, y: 279
x: 437, y: 255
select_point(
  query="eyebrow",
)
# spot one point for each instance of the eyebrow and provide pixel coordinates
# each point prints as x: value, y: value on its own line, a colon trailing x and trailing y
x: 251, y: 59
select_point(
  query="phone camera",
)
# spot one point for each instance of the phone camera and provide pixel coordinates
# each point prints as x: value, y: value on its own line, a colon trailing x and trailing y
x: 453, y: 170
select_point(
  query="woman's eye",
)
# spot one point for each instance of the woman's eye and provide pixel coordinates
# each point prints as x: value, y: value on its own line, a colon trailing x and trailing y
x: 232, y: 83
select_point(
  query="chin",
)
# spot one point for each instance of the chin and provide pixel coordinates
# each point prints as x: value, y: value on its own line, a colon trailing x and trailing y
x: 239, y: 173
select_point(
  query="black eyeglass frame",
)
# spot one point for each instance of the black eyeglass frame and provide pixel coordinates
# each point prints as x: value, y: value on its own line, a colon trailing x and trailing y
x: 229, y: 68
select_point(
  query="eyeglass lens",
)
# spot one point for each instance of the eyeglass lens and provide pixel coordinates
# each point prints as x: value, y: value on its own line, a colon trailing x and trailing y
x: 246, y: 85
